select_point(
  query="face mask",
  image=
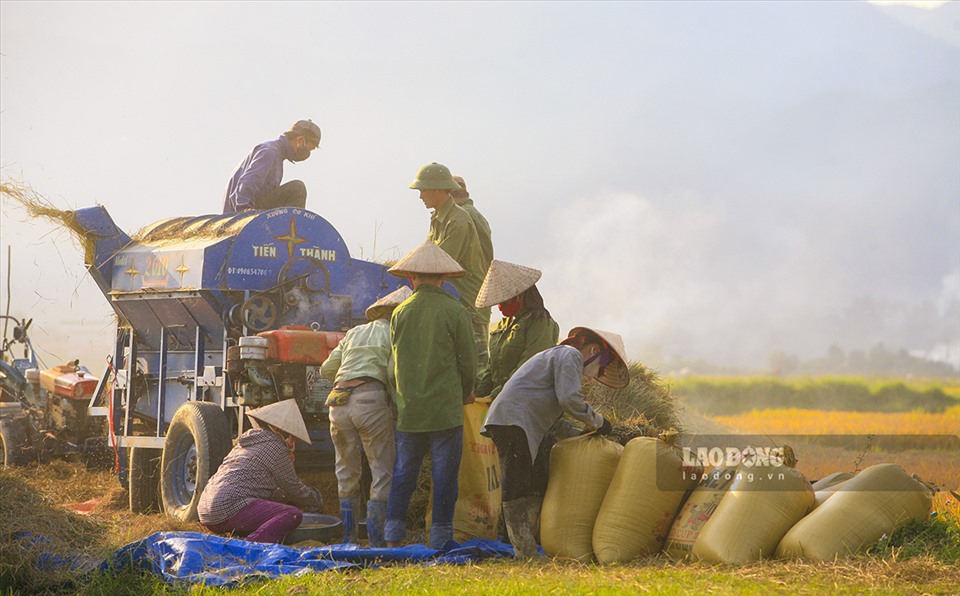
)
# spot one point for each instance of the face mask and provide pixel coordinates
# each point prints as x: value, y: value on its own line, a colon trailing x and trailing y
x: 301, y: 152
x: 594, y: 365
x: 510, y: 308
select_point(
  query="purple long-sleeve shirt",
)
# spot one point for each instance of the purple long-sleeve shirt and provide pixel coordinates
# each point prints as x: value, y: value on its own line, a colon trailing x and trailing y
x: 257, y: 175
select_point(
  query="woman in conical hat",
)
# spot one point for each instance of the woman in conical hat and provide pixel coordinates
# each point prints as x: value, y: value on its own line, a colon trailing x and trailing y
x: 362, y: 416
x: 525, y: 329
x: 238, y: 499
x: 527, y: 418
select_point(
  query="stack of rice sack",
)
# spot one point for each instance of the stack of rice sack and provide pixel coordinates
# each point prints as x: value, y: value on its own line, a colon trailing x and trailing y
x: 877, y: 501
x: 612, y: 503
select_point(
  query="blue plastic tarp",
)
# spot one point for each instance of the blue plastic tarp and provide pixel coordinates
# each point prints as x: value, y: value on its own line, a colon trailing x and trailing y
x: 194, y: 557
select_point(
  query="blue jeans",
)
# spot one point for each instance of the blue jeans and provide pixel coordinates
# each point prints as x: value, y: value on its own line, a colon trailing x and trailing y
x: 445, y: 447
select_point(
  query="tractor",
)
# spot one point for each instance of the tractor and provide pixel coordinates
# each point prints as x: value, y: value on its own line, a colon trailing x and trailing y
x: 43, y: 412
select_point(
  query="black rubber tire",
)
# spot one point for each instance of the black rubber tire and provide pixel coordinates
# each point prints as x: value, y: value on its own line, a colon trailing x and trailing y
x: 12, y: 440
x: 144, y: 476
x: 197, y: 441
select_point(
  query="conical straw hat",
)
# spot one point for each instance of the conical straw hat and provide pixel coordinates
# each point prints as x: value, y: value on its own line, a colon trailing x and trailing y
x: 427, y: 258
x: 616, y: 374
x: 382, y: 307
x: 504, y: 281
x: 284, y: 415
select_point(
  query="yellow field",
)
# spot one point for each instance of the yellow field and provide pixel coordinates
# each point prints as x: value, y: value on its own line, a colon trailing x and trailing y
x: 802, y: 422
x: 940, y: 467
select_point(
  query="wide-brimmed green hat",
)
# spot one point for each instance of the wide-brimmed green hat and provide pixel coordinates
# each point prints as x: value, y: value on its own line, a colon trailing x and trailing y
x: 434, y: 176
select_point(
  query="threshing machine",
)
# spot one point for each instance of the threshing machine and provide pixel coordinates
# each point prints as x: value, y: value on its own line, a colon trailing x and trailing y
x: 216, y: 314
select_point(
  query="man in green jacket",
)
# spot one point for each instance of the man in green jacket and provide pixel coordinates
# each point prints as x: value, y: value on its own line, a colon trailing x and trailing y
x: 453, y: 230
x: 435, y: 360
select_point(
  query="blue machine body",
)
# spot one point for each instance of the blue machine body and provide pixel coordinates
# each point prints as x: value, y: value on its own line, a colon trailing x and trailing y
x: 224, y: 256
x: 185, y: 289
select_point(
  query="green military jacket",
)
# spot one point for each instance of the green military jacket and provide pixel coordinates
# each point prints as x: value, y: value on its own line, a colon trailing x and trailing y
x: 453, y: 230
x: 512, y: 342
x: 483, y: 231
x: 435, y: 360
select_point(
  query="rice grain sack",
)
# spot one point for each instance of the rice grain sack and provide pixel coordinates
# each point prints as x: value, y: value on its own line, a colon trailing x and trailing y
x: 581, y: 469
x: 875, y: 502
x: 697, y: 510
x: 824, y: 488
x: 477, y: 512
x: 641, y: 502
x: 764, y: 501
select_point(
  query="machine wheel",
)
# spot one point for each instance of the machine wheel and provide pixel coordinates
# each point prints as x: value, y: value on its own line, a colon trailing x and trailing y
x: 144, y: 476
x: 197, y: 441
x: 259, y: 313
x: 12, y: 439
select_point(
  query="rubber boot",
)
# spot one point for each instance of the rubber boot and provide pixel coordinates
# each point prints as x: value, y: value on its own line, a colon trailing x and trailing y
x: 376, y: 519
x: 534, y: 502
x: 348, y: 510
x: 518, y: 527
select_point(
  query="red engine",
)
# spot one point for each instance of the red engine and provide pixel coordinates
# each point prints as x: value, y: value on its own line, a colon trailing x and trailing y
x: 68, y: 380
x: 300, y: 345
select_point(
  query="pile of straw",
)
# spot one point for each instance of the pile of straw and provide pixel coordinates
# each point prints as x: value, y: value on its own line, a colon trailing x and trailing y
x: 645, y: 406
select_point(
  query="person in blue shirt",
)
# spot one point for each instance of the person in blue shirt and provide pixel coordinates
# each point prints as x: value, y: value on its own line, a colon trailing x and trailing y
x: 256, y: 183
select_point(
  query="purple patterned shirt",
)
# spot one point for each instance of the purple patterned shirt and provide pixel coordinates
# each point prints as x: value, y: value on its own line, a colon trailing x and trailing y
x: 258, y: 467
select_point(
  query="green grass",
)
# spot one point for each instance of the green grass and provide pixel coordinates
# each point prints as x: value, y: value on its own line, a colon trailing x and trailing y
x: 938, y: 538
x: 502, y: 577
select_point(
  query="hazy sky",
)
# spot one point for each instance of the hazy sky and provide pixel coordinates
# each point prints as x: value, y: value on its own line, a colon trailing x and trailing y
x: 710, y: 180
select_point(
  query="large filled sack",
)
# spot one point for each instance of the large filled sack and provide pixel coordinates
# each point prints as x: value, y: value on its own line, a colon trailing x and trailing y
x: 697, y: 510
x: 824, y: 488
x: 642, y: 500
x: 477, y: 512
x: 581, y: 469
x: 767, y: 497
x: 875, y: 502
